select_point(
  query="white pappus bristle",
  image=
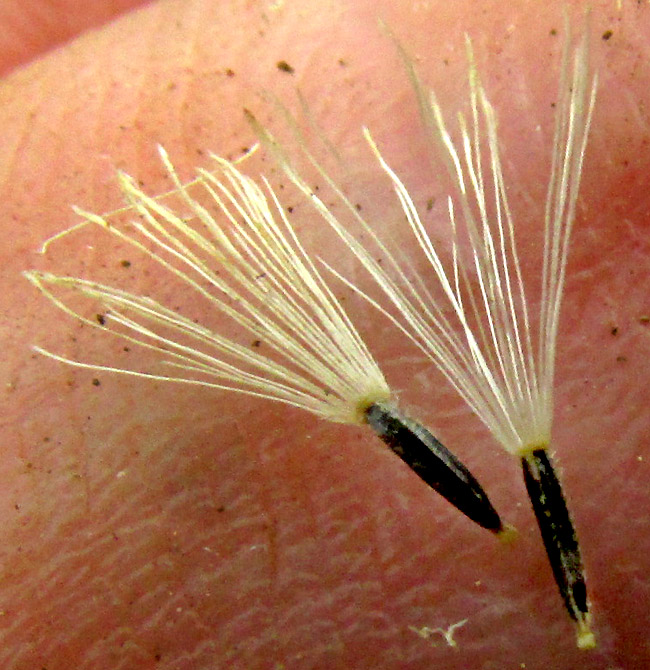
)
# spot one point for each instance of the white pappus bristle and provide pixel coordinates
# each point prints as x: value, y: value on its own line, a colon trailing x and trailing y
x: 239, y: 252
x: 503, y: 369
x: 488, y: 348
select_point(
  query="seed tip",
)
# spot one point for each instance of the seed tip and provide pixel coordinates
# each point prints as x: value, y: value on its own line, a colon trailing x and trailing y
x: 507, y: 534
x: 585, y: 638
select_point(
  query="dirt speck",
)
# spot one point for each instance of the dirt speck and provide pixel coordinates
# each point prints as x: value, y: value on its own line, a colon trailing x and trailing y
x: 283, y: 66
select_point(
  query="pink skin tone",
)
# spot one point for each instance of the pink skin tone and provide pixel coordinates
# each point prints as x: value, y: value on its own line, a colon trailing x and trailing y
x: 28, y: 29
x: 151, y: 525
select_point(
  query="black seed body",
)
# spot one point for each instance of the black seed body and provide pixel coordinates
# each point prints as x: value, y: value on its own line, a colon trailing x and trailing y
x: 558, y: 534
x: 434, y: 463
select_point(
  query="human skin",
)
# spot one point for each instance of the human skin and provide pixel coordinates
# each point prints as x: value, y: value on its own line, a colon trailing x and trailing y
x: 151, y: 525
x: 28, y: 29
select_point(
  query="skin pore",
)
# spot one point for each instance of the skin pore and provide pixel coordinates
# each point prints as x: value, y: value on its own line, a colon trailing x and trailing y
x: 150, y: 525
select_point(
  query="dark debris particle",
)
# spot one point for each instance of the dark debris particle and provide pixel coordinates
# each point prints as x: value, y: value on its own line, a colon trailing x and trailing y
x: 256, y: 343
x: 342, y: 62
x: 101, y: 319
x: 221, y: 508
x: 607, y: 34
x: 644, y: 320
x: 229, y: 72
x: 553, y: 32
x: 125, y: 263
x: 621, y: 359
x: 430, y: 203
x: 614, y: 330
x: 290, y: 209
x: 283, y: 66
x: 96, y: 382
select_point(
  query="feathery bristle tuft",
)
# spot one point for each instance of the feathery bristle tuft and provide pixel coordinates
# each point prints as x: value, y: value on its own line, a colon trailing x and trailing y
x: 503, y: 371
x: 249, y: 265
x: 487, y: 348
x: 239, y: 253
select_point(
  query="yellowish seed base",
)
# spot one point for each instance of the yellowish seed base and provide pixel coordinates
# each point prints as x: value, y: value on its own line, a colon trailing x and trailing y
x: 585, y: 638
x: 508, y: 534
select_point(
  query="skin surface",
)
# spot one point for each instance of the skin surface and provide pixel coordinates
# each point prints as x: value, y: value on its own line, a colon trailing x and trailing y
x: 151, y: 525
x: 28, y: 29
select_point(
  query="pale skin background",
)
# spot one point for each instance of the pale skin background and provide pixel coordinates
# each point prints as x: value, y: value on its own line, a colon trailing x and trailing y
x: 155, y: 526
